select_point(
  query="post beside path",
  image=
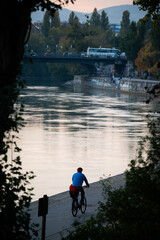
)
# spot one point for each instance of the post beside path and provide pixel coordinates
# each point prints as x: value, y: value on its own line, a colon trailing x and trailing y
x: 42, y: 212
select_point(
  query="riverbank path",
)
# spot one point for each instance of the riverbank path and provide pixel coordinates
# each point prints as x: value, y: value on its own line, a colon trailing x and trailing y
x: 59, y: 219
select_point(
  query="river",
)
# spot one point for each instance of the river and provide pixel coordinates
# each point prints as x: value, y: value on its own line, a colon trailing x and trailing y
x: 70, y: 128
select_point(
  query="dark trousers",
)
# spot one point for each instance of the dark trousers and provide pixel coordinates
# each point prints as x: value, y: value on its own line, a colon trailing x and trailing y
x: 80, y: 189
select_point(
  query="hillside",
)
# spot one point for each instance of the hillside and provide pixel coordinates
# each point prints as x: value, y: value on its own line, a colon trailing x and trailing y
x: 114, y: 14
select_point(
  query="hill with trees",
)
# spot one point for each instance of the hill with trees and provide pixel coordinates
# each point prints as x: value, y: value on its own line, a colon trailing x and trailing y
x: 114, y: 14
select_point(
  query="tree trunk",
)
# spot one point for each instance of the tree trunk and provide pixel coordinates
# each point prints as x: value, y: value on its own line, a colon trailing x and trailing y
x: 14, y: 22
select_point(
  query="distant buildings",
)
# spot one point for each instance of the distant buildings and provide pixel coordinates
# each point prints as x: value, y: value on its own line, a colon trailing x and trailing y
x: 116, y: 28
x: 36, y: 27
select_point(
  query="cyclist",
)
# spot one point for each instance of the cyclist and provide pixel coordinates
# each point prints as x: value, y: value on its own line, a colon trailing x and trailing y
x: 77, y: 181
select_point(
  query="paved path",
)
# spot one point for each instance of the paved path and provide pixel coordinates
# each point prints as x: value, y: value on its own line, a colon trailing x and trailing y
x: 59, y: 218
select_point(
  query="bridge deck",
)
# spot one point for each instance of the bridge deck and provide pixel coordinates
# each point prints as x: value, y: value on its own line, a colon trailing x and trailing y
x: 76, y: 59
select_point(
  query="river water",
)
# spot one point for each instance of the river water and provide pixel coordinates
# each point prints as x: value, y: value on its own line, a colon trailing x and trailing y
x: 69, y: 128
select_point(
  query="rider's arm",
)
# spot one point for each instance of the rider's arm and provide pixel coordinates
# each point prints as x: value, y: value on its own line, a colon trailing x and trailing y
x: 86, y: 181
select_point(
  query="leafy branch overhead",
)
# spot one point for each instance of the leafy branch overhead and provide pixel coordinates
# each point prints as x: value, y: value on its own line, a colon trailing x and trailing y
x: 49, y: 5
x: 152, y: 8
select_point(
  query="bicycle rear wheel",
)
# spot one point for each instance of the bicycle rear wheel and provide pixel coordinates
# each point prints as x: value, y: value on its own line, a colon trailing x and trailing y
x: 74, y: 207
x: 84, y: 205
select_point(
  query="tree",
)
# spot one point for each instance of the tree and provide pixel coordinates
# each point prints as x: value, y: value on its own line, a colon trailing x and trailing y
x: 153, y: 12
x: 148, y: 59
x: 71, y: 18
x: 14, y: 196
x: 132, y: 40
x: 46, y: 25
x: 36, y: 43
x: 104, y: 21
x: 74, y: 32
x: 152, y: 8
x: 55, y: 21
x: 125, y: 23
x: 155, y: 36
x: 95, y: 19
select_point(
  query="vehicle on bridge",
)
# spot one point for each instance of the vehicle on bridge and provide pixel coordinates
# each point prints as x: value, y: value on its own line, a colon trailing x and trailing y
x: 103, y: 52
x: 71, y: 54
x: 48, y: 54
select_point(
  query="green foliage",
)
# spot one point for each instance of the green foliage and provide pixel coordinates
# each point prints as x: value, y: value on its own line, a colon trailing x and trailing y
x: 71, y: 18
x: 37, y: 42
x: 94, y: 32
x: 155, y: 36
x: 15, y: 193
x: 74, y: 33
x: 46, y: 24
x: 55, y: 21
x: 65, y: 72
x: 131, y: 37
x: 104, y: 21
x: 147, y: 60
x: 60, y: 72
x: 15, y: 198
x: 95, y: 19
x: 125, y: 23
x: 152, y: 8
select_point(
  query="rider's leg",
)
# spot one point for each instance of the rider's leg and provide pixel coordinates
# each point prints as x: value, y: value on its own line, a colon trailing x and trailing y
x: 80, y: 189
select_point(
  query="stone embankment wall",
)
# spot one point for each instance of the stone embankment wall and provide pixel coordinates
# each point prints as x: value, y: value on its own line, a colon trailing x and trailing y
x: 123, y: 85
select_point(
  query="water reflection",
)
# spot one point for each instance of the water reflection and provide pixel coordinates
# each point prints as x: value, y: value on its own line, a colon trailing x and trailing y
x: 67, y: 128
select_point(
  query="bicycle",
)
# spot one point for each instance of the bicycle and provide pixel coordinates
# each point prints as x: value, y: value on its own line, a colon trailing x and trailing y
x: 76, y: 205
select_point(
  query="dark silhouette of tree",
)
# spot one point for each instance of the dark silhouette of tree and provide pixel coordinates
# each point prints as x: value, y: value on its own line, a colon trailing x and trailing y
x: 95, y: 18
x: 152, y: 8
x: 46, y: 24
x: 15, y: 196
x: 104, y: 21
x: 55, y: 21
x: 155, y: 36
x: 125, y: 23
x: 71, y: 18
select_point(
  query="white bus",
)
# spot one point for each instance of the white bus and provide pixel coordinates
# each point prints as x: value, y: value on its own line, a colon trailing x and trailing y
x: 103, y: 52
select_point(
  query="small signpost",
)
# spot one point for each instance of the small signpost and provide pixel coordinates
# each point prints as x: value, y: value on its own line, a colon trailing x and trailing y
x: 42, y: 212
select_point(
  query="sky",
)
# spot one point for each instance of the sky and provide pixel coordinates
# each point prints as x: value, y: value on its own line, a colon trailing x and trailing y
x: 88, y: 6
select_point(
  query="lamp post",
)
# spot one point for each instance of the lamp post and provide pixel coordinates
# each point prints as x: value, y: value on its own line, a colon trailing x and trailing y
x: 56, y: 48
x: 100, y: 50
x: 114, y: 38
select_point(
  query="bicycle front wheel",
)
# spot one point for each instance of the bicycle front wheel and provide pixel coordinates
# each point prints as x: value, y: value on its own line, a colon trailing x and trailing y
x: 74, y: 208
x: 84, y: 205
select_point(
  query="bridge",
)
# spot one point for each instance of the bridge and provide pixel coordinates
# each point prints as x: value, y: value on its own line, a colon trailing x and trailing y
x: 119, y: 62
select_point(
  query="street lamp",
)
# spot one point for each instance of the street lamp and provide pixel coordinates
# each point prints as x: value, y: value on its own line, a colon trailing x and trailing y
x: 56, y: 48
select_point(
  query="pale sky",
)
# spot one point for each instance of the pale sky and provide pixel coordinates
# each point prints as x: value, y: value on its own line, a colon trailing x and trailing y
x: 88, y: 6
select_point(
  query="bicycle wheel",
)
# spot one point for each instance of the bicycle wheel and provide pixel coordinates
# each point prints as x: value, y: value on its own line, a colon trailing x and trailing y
x: 84, y: 205
x: 74, y: 207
